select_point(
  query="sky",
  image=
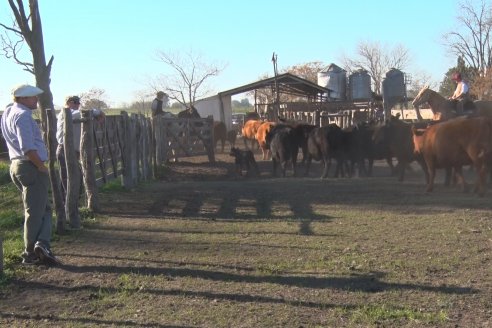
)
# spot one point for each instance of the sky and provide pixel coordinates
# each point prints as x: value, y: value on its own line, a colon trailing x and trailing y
x: 112, y: 44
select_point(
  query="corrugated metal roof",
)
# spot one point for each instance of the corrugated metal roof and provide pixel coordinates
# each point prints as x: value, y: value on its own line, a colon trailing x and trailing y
x: 287, y: 83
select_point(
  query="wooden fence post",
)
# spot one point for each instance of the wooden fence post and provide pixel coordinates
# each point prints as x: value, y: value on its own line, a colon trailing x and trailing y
x: 145, y: 133
x: 153, y: 147
x: 54, y: 180
x: 158, y: 141
x: 126, y: 178
x: 133, y: 149
x: 87, y: 160
x: 73, y: 172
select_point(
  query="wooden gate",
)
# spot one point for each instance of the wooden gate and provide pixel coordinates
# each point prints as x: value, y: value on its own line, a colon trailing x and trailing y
x: 176, y: 138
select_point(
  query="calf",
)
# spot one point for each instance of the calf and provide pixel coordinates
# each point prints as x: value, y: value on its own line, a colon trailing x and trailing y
x: 455, y: 143
x: 220, y: 134
x: 244, y: 160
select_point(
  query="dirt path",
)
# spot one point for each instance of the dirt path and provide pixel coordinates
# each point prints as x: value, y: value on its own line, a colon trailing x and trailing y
x: 205, y: 248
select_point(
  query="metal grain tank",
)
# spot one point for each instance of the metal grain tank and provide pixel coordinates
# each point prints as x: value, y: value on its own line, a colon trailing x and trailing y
x: 394, y: 90
x: 335, y: 79
x: 360, y: 85
x: 394, y: 84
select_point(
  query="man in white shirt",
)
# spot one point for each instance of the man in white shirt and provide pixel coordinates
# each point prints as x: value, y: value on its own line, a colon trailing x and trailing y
x: 461, y: 93
x: 73, y: 103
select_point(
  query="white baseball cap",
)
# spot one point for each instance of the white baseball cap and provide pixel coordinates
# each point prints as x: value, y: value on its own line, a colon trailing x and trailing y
x: 26, y: 90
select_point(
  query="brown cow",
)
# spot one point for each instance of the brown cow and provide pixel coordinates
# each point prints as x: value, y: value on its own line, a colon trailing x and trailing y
x: 249, y: 132
x: 231, y: 137
x: 261, y: 134
x: 454, y: 143
x: 220, y: 133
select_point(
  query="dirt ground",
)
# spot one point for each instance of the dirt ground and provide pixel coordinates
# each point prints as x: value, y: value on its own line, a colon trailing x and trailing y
x: 204, y: 247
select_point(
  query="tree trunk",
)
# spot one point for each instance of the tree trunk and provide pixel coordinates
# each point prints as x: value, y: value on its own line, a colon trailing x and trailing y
x: 42, y: 72
x: 55, y: 182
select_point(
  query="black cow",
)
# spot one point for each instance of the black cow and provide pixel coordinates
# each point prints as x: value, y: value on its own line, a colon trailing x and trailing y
x: 394, y: 139
x: 301, y: 131
x: 284, y: 146
x: 359, y: 147
x: 323, y: 144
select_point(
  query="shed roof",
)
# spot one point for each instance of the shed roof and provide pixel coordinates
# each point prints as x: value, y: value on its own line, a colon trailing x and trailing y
x: 287, y: 84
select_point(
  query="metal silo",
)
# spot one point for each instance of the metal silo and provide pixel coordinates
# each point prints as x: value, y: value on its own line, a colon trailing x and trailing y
x: 335, y: 79
x: 394, y: 84
x: 394, y: 90
x: 360, y: 85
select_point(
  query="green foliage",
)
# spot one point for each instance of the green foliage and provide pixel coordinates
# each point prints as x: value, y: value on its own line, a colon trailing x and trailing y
x: 242, y: 106
x: 10, y: 219
x: 448, y: 86
x: 112, y: 186
x: 4, y: 173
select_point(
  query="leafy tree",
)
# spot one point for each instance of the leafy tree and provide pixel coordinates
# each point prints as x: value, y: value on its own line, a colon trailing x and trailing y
x: 308, y: 71
x: 242, y: 105
x: 377, y: 60
x: 245, y: 102
x: 94, y: 98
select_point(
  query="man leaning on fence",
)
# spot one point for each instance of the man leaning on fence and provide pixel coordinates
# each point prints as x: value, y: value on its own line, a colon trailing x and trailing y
x: 28, y: 154
x: 73, y: 103
x: 158, y: 104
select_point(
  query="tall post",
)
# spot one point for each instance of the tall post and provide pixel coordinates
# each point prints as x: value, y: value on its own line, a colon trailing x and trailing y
x: 87, y: 160
x: 73, y: 173
x: 54, y: 180
x: 276, y: 106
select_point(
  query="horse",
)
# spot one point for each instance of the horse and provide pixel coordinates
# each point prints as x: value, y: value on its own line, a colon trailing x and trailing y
x: 189, y: 112
x: 445, y: 109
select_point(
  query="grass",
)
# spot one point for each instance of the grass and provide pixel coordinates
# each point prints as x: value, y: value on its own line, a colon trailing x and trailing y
x: 12, y: 221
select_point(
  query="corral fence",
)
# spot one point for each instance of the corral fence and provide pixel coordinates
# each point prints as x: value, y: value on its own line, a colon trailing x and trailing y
x: 132, y: 147
x: 343, y: 113
x: 178, y: 137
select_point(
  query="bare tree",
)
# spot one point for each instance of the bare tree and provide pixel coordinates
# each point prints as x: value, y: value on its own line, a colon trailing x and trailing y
x: 419, y: 80
x: 187, y: 82
x: 471, y: 39
x: 377, y: 60
x: 27, y: 28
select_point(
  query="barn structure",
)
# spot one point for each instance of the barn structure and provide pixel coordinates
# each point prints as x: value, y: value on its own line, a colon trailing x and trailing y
x: 291, y: 97
x: 288, y: 85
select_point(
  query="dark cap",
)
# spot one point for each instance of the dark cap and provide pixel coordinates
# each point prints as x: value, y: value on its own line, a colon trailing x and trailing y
x: 75, y: 99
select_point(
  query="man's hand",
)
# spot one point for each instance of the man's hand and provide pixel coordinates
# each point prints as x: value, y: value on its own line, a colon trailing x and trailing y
x: 43, y: 169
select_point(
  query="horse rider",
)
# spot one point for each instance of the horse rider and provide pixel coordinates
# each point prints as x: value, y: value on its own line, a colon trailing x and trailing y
x: 461, y: 94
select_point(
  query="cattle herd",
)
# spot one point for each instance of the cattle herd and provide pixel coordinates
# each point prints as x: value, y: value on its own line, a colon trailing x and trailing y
x: 447, y: 145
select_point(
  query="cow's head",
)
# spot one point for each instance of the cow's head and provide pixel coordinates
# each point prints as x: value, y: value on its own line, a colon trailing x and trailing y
x: 418, y: 139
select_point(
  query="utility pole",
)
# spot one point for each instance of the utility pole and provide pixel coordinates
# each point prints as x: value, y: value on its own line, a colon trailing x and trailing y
x: 276, y: 107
